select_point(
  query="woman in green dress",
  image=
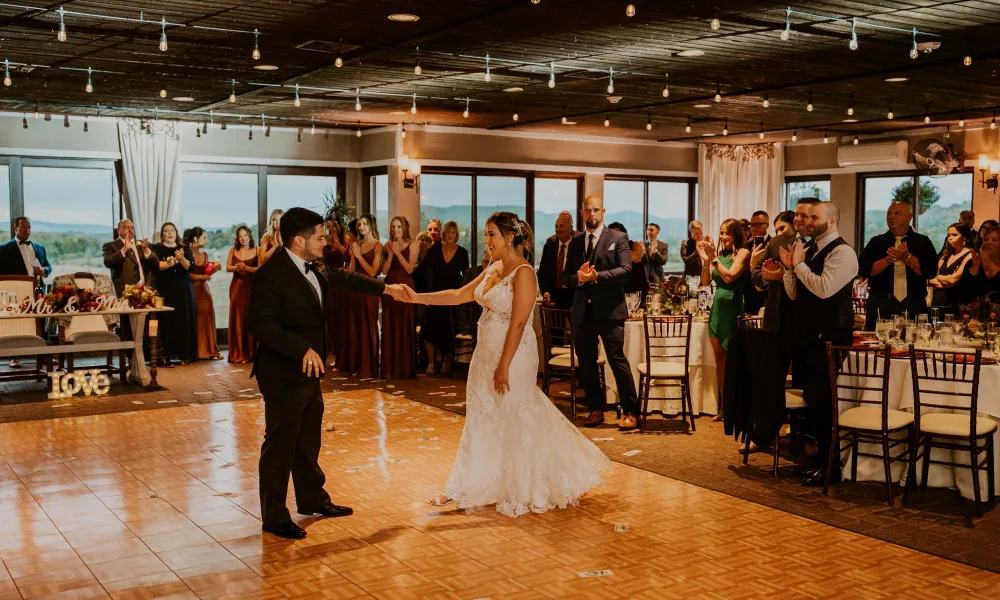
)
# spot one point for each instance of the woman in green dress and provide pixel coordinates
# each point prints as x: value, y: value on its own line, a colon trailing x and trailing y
x: 727, y: 267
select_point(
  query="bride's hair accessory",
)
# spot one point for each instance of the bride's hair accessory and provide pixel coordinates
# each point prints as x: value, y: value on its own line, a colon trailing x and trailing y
x: 518, y: 226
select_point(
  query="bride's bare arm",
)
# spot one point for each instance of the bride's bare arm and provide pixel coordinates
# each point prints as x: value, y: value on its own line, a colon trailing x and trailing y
x: 525, y: 290
x: 463, y: 295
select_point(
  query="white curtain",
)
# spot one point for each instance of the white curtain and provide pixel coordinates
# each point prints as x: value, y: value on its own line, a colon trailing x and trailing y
x: 150, y: 152
x: 735, y: 181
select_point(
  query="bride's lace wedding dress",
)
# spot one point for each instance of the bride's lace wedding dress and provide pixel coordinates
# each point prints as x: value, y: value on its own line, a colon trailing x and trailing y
x: 517, y: 450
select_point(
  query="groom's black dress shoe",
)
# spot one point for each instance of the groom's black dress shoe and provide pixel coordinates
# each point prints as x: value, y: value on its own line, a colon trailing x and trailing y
x: 287, y: 530
x: 330, y: 510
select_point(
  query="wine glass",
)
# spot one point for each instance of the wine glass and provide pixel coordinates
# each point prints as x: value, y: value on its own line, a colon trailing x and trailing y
x: 882, y: 330
x: 935, y: 316
x: 925, y: 330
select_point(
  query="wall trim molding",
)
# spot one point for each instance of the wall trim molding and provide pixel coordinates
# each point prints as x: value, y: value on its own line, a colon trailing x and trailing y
x: 841, y: 170
x: 552, y: 168
x: 266, y: 162
x: 594, y: 139
x: 59, y: 153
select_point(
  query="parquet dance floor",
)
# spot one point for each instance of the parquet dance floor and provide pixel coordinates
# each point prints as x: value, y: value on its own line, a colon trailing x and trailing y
x: 163, y: 504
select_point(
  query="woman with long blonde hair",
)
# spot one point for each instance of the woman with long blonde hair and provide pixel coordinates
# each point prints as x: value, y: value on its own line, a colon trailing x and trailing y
x: 271, y: 240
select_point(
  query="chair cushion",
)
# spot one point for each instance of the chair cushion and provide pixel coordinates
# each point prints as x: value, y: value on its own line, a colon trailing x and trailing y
x: 564, y: 360
x: 663, y: 369
x: 954, y: 424
x: 463, y: 337
x: 870, y: 418
x: 794, y: 400
x: 92, y: 337
x: 559, y: 350
x: 9, y: 342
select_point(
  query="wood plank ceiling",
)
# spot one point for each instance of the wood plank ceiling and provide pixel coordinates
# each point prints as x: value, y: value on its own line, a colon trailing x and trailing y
x: 578, y: 40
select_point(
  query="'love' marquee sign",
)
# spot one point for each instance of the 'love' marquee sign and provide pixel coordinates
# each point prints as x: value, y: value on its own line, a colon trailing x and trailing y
x: 89, y: 381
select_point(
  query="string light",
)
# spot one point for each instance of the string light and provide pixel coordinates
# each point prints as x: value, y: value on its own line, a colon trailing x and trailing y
x: 204, y: 126
x: 65, y: 120
x: 718, y: 92
x: 358, y: 131
x: 36, y: 111
x: 850, y: 109
x: 961, y: 121
x: 339, y: 61
x: 256, y: 46
x: 853, y: 44
x: 630, y: 10
x: 416, y: 68
x: 715, y: 23
x: 607, y: 120
x: 61, y: 36
x: 809, y: 105
x: 826, y: 139
x: 232, y: 94
x: 611, y: 80
x: 312, y: 128
x: 267, y: 132
x: 24, y: 122
x: 927, y: 116
x: 967, y: 61
x: 250, y: 137
x: 913, y: 50
x: 90, y: 82
x: 565, y: 120
x: 687, y: 128
x: 787, y: 31
x: 163, y: 34
x: 487, y: 77
x: 766, y: 103
x: 666, y: 86
x: 552, y: 75
x: 298, y: 136
x: 6, y: 73
x: 298, y: 102
x: 993, y: 123
x: 856, y: 140
x: 402, y: 132
x: 516, y: 116
x: 86, y: 127
x: 163, y: 91
x: 223, y: 126
x: 535, y: 1
x: 761, y: 134
x: 725, y: 127
x: 890, y: 116
x: 197, y: 132
x: 649, y: 122
x: 413, y: 107
x: 357, y: 98
x: 465, y: 113
x: 795, y: 135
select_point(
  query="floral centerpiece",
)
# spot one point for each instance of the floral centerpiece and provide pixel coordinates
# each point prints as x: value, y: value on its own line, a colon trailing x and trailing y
x: 86, y: 300
x: 672, y: 292
x: 142, y: 296
x: 974, y: 316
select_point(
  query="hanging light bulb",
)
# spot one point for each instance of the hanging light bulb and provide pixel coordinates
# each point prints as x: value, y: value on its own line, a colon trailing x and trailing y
x: 24, y: 122
x: 65, y: 120
x: 927, y: 116
x: 339, y: 61
x: 853, y: 44
x: 36, y: 111
x: 516, y: 116
x: 552, y: 75
x: 357, y: 132
x: 649, y: 122
x: 223, y: 126
x: 416, y: 68
x: 715, y: 24
x: 961, y: 121
x: 61, y: 36
x: 402, y: 132
x: 611, y: 80
x: 163, y: 91
x: 890, y: 116
x: 993, y: 123
x: 761, y: 134
x: 913, y: 50
x: 204, y: 126
x: 487, y: 77
x: 850, y: 109
x: 6, y: 73
x: 630, y: 10
x: 86, y: 127
x: 163, y: 34
x: 197, y: 132
x: 267, y: 131
x: 357, y: 98
x: 718, y: 92
x: 250, y: 136
x: 826, y: 139
x: 465, y: 113
x: 725, y: 127
x: 787, y: 31
x: 312, y: 128
x: 564, y: 119
x: 856, y: 142
x: 90, y: 82
x: 687, y: 128
x: 232, y: 94
x: 607, y: 120
x: 535, y: 1
x: 413, y: 107
x: 256, y: 46
x: 809, y: 104
x: 666, y: 86
x: 297, y: 102
x: 967, y: 61
x: 298, y: 136
x: 795, y: 135
x: 766, y: 103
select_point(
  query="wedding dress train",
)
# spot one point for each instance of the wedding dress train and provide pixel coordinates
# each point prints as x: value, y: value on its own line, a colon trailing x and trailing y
x: 517, y: 450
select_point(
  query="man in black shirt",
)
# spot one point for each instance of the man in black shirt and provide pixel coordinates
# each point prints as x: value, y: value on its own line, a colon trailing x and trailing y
x: 897, y: 264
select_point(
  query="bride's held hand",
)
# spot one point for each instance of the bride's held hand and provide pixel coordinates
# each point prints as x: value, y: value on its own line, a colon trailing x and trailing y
x: 501, y: 380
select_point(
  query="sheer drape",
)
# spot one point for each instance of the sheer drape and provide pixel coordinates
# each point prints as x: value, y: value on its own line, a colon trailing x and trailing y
x: 734, y: 181
x: 150, y: 152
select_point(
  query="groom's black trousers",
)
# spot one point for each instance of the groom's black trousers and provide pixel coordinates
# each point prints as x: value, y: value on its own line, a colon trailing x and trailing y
x: 293, y: 417
x: 612, y: 333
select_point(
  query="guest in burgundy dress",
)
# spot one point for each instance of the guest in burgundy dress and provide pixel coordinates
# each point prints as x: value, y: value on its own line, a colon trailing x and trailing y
x: 336, y: 256
x: 242, y: 262
x: 443, y: 269
x: 361, y: 356
x: 208, y: 346
x: 399, y: 326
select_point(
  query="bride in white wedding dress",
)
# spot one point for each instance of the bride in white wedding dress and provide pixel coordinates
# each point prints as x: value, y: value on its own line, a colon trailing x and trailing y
x: 517, y: 450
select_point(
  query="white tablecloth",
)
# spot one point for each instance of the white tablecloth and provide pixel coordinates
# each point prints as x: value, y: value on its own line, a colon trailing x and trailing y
x: 901, y: 398
x: 704, y: 382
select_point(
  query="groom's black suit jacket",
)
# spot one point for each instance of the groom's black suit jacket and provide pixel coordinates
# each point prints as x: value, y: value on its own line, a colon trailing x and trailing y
x: 613, y: 261
x: 286, y: 320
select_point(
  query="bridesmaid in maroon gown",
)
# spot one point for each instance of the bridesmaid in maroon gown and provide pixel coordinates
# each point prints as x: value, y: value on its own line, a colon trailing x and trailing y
x: 242, y: 262
x: 361, y: 355
x: 399, y: 325
x: 336, y: 256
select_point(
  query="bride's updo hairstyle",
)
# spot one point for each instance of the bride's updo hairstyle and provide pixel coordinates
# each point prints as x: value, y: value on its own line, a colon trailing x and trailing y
x: 508, y: 224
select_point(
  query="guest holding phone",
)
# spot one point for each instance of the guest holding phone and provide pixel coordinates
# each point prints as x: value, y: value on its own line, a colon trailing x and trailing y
x: 753, y: 298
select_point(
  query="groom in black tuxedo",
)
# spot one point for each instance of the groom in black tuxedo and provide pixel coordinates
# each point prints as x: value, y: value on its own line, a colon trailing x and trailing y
x: 286, y: 317
x: 599, y: 263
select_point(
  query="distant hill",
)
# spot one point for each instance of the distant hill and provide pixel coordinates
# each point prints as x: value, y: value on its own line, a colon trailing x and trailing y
x: 49, y: 227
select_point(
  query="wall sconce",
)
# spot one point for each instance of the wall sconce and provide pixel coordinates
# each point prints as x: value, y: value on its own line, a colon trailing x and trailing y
x: 986, y: 165
x: 411, y: 173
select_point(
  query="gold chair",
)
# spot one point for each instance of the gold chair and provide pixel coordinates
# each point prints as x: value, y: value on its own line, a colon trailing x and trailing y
x: 668, y: 349
x: 559, y: 360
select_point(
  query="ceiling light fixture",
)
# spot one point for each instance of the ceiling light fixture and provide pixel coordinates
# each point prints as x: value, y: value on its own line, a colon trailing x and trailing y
x: 826, y: 139
x: 896, y: 79
x: 993, y: 123
x: 687, y: 128
x: 183, y: 99
x: 516, y: 116
x: 357, y: 98
x: 163, y: 91
x: 666, y: 86
x: 339, y: 61
x: 850, y: 109
x: 809, y: 104
x: 725, y: 127
x: 564, y: 119
x: 853, y: 44
x: 6, y: 73
x: 607, y: 120
x: 487, y: 77
x: 232, y: 94
x: 967, y: 61
x: 416, y: 68
x: 611, y: 80
x: 927, y: 115
x: 703, y: 106
x: 298, y: 101
x: 691, y: 53
x: 913, y: 51
x: 856, y: 140
x: 890, y: 116
x: 513, y: 90
x: 761, y: 134
x: 402, y: 132
x: 404, y: 18
x: 535, y: 1
x: 795, y: 135
x: 413, y: 107
x: 766, y: 103
x: 715, y: 24
x: 90, y: 80
x: 465, y: 113
x: 266, y: 67
x: 649, y: 122
x: 961, y: 121
x: 787, y: 31
x: 849, y: 121
x: 256, y: 45
x: 552, y: 75
x: 630, y: 10
x: 358, y: 131
x: 718, y: 92
x: 163, y: 34
x: 61, y: 36
x: 312, y: 128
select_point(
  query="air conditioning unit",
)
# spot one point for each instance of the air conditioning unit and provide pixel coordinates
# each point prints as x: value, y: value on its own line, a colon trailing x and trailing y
x: 874, y: 154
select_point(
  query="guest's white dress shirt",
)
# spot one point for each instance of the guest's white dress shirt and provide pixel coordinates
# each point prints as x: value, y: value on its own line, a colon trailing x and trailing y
x: 28, y: 254
x: 839, y: 269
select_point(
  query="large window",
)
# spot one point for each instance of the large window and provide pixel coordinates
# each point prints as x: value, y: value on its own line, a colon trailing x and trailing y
x: 623, y: 202
x: 220, y: 202
x: 668, y: 208
x: 448, y: 198
x: 636, y: 202
x: 315, y: 192
x: 495, y: 194
x: 378, y: 187
x: 72, y: 209
x: 940, y: 201
x: 552, y: 196
x: 4, y: 203
x: 805, y: 188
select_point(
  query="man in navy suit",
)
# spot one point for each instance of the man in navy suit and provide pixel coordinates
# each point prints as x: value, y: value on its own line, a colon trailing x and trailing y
x: 20, y: 256
x: 599, y: 263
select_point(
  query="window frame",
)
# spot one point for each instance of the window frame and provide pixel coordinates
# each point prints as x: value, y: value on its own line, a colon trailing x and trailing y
x: 799, y: 179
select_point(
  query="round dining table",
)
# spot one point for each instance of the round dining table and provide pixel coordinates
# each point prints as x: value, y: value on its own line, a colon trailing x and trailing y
x: 701, y: 371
